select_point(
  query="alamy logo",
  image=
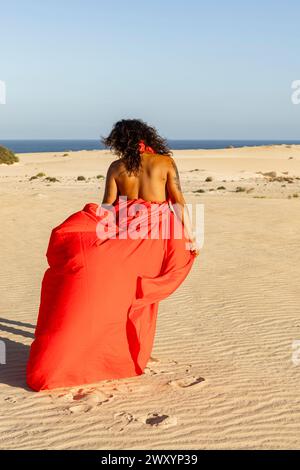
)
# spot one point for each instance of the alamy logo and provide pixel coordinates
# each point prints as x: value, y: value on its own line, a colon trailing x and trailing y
x: 2, y: 92
x: 295, y: 97
x: 144, y: 221
x: 296, y: 352
x: 2, y: 352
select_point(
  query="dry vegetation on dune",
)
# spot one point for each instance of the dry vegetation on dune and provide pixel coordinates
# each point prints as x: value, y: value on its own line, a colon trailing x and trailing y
x: 7, y: 156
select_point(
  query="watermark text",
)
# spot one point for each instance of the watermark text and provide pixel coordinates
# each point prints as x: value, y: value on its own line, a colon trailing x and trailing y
x: 2, y: 92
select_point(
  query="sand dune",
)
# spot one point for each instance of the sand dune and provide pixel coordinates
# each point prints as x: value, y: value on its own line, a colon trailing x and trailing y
x: 222, y: 375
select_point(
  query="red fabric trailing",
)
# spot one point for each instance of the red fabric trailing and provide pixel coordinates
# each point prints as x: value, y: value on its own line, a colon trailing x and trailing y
x: 99, y: 297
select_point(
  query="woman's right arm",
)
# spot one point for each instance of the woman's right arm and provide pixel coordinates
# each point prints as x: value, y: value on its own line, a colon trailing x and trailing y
x: 175, y: 194
x: 111, y: 189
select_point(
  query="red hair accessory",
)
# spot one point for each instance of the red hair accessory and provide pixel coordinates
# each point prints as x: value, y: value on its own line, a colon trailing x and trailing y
x: 145, y: 148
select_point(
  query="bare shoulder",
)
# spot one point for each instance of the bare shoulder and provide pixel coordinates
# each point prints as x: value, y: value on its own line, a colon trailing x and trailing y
x: 115, y: 167
x: 166, y: 160
x: 169, y: 162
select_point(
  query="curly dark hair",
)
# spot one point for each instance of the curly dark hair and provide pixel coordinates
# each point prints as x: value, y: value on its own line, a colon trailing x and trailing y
x: 124, y: 140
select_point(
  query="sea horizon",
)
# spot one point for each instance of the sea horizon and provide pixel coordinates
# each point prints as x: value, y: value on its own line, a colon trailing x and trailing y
x: 65, y: 145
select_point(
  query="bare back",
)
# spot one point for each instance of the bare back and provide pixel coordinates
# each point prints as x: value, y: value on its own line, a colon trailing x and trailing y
x: 150, y: 182
x: 156, y: 181
x: 153, y: 182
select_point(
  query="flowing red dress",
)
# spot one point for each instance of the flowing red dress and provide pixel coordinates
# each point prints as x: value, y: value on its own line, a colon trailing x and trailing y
x: 100, y: 294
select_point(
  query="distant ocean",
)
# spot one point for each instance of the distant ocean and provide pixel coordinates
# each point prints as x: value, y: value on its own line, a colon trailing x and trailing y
x: 61, y: 145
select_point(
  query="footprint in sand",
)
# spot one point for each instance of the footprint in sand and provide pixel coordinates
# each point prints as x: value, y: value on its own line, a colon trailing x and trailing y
x: 79, y: 409
x: 83, y: 400
x: 156, y: 366
x: 10, y: 399
x: 186, y: 382
x: 159, y: 420
x: 122, y: 420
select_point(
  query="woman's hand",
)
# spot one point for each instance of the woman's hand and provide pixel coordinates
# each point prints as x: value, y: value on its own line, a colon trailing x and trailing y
x: 193, y: 246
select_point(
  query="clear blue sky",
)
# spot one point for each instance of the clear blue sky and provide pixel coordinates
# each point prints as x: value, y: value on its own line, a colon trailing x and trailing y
x: 194, y: 69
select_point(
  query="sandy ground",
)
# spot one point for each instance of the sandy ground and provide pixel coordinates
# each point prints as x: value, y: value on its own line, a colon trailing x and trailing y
x: 223, y: 377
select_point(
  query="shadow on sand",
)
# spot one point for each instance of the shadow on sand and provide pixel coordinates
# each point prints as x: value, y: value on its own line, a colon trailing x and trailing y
x: 13, y: 373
